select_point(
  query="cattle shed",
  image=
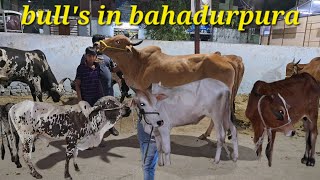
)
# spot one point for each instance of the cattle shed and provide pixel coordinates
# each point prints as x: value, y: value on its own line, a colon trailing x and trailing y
x: 306, y: 34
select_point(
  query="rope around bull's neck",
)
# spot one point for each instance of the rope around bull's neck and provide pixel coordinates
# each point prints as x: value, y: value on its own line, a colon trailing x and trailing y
x: 111, y: 109
x: 269, y: 129
x: 110, y: 47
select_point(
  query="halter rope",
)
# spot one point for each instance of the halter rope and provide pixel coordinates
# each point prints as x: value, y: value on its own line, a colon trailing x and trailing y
x: 110, y: 47
x: 269, y: 129
x: 141, y: 115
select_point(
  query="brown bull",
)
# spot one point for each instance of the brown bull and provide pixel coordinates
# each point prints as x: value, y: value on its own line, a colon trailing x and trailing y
x: 275, y: 107
x: 238, y: 66
x: 149, y: 65
x: 313, y: 68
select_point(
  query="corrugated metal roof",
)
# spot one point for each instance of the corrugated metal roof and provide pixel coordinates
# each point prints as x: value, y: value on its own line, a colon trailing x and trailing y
x: 309, y: 8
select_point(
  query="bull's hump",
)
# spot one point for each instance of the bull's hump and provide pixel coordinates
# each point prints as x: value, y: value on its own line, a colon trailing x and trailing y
x: 151, y: 49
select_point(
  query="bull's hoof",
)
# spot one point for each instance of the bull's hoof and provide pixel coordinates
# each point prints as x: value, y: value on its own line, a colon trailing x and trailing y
x: 67, y: 176
x: 229, y: 134
x: 3, y: 151
x: 19, y: 165
x: 161, y: 164
x: 304, y: 160
x: 36, y: 175
x: 34, y: 149
x: 202, y: 137
x: 311, y: 162
x: 235, y: 159
x: 76, y: 168
x: 13, y: 159
x: 215, y: 162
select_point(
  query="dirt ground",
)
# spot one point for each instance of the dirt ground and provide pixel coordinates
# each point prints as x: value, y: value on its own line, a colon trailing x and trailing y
x: 119, y: 157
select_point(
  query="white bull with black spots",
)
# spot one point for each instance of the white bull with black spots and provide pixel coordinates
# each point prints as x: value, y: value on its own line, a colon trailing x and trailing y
x: 32, y: 68
x: 81, y: 125
x: 166, y: 108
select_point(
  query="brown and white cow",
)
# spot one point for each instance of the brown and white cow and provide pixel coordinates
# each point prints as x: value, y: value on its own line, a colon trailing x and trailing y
x: 275, y: 107
x: 142, y: 67
x: 81, y: 125
x: 313, y: 68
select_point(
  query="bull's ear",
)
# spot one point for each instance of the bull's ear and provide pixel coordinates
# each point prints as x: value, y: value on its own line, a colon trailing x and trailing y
x: 94, y: 111
x: 135, y: 52
x: 161, y: 97
x: 132, y: 104
x: 264, y: 89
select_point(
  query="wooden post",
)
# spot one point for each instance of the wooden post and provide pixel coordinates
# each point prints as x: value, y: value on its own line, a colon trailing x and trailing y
x: 90, y: 9
x: 197, y: 31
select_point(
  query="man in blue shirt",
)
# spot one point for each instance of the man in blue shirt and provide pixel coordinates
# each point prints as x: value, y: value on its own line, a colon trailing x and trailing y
x: 88, y: 84
x: 106, y: 66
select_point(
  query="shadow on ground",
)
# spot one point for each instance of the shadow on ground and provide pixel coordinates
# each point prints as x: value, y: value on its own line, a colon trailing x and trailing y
x: 180, y: 144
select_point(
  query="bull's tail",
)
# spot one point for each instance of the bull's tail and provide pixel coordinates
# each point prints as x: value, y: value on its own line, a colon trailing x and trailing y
x: 2, y: 146
x: 12, y: 139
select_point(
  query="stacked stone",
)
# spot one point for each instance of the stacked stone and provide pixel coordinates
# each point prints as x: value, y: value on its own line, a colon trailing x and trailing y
x: 22, y: 89
x: 17, y: 89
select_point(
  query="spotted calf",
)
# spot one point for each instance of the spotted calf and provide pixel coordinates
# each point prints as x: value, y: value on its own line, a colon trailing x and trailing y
x: 81, y: 125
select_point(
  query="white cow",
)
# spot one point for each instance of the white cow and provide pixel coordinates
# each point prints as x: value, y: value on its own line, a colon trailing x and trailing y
x: 166, y: 108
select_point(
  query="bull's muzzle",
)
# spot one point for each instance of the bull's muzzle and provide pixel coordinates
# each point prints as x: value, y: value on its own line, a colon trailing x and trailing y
x: 160, y: 123
x: 290, y: 133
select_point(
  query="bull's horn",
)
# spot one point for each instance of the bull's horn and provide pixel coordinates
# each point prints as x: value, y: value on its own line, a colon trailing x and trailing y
x: 63, y: 80
x: 133, y: 89
x: 298, y: 62
x: 136, y: 44
x: 294, y: 59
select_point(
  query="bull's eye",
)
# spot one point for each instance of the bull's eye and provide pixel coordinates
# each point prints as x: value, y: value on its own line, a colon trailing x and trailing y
x: 281, y: 112
x: 108, y: 103
x: 142, y: 104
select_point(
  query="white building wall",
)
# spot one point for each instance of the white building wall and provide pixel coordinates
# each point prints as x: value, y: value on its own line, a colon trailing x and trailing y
x: 261, y: 62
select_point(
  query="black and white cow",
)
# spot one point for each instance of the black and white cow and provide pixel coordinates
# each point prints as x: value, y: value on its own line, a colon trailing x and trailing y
x: 32, y: 68
x: 81, y: 125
